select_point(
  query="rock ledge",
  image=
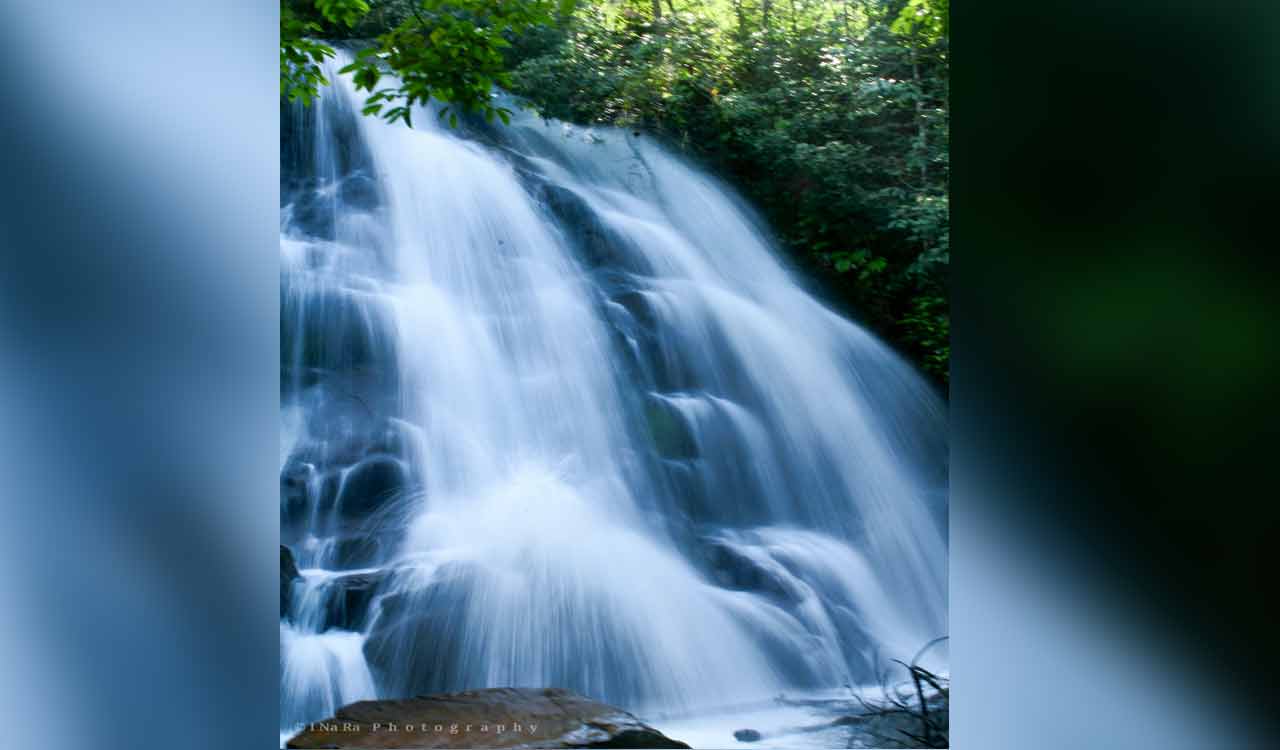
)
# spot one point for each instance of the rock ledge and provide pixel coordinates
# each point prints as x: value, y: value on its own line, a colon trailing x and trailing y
x: 494, y: 718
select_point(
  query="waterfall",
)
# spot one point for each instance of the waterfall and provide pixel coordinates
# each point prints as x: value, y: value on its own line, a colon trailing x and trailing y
x: 555, y: 414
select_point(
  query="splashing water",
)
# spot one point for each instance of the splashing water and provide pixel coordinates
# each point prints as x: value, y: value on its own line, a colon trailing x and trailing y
x: 555, y: 415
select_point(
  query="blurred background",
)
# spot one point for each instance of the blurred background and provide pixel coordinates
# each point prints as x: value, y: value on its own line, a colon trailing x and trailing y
x: 139, y: 377
x: 1113, y: 376
x: 1112, y: 415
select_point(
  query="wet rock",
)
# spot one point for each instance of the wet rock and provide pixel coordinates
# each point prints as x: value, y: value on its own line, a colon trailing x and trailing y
x: 597, y: 243
x: 433, y: 614
x: 343, y: 429
x: 334, y: 329
x: 746, y: 735
x: 312, y: 212
x: 494, y: 718
x: 294, y: 479
x: 371, y: 484
x: 665, y: 365
x: 347, y: 604
x: 360, y: 190
x: 686, y: 482
x: 669, y: 430
x: 639, y: 306
x: 732, y: 568
x: 288, y: 575
x: 364, y: 550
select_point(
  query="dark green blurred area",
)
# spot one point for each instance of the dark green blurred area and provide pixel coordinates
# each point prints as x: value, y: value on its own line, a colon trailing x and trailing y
x: 1116, y: 292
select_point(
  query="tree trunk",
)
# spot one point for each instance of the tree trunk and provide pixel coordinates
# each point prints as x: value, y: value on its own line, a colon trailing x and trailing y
x: 657, y: 10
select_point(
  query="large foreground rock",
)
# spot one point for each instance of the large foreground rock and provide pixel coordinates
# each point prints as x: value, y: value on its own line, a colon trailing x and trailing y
x: 495, y: 718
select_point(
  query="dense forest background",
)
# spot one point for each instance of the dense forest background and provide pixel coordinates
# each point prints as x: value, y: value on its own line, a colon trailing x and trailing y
x: 830, y: 116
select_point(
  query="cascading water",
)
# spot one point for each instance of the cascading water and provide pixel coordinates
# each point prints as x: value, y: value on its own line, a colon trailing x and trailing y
x: 555, y: 415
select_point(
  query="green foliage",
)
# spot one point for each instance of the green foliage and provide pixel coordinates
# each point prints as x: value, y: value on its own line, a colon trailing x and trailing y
x: 300, y: 57
x: 832, y: 117
x: 343, y: 12
x: 448, y: 50
x: 300, y: 54
x: 925, y: 21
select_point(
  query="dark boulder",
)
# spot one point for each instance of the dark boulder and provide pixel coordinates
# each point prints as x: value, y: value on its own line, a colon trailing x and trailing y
x: 288, y: 574
x: 312, y: 212
x: 597, y: 243
x: 334, y: 329
x: 303, y: 491
x: 732, y: 569
x: 348, y: 598
x: 371, y: 484
x: 494, y: 718
x: 295, y: 479
x: 360, y: 190
x: 636, y: 315
x: 416, y: 643
x: 366, y: 549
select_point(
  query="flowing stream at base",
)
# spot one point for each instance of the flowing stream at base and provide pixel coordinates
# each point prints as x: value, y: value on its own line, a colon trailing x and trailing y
x: 554, y: 414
